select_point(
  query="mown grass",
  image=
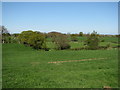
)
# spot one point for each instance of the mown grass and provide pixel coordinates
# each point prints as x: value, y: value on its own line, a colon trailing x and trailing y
x: 109, y: 39
x: 81, y: 44
x: 24, y: 67
x: 106, y: 39
x: 76, y: 44
x: 0, y: 66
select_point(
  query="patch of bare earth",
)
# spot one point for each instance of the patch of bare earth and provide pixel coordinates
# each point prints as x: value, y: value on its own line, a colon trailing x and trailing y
x: 107, y: 88
x: 34, y: 63
x: 78, y: 60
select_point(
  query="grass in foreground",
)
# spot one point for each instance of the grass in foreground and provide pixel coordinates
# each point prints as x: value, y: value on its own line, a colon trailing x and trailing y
x: 24, y: 67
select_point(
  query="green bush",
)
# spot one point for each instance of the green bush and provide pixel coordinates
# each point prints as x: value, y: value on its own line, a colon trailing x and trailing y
x: 61, y: 41
x: 33, y: 39
x: 92, y: 41
x: 81, y: 34
x: 103, y: 40
x: 6, y: 38
x: 24, y: 36
x: 74, y: 38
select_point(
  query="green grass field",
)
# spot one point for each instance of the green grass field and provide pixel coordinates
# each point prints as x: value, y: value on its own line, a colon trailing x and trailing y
x: 24, y: 67
x: 0, y: 66
x: 113, y: 41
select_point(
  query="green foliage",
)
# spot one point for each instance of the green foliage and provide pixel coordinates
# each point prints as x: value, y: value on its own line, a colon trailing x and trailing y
x: 0, y: 38
x: 73, y: 35
x: 81, y: 34
x: 92, y: 41
x: 74, y: 38
x: 103, y: 40
x: 15, y: 34
x: 24, y: 36
x: 37, y: 41
x: 5, y: 35
x: 6, y: 38
x: 14, y: 39
x: 33, y: 39
x: 108, y: 45
x: 53, y: 34
x: 61, y: 41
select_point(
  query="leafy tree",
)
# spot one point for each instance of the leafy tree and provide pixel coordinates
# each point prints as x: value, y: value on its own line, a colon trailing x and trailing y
x: 24, y: 36
x: 6, y: 37
x: 15, y: 34
x: 4, y: 30
x: 81, y: 34
x: 33, y: 39
x: 53, y: 34
x: 61, y: 41
x: 74, y: 38
x: 92, y: 41
x: 37, y: 41
x: 72, y: 35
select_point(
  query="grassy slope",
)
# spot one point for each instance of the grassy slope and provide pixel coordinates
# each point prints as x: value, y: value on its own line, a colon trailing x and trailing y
x: 27, y: 68
x: 0, y: 65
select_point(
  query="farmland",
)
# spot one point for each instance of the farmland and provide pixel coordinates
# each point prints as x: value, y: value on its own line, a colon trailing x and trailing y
x: 59, y: 45
x: 25, y: 67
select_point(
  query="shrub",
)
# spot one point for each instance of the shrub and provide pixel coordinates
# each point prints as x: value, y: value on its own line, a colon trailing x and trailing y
x: 37, y: 41
x: 108, y: 45
x: 81, y: 34
x: 33, y: 39
x: 92, y: 41
x: 118, y: 46
x: 6, y: 38
x: 103, y: 47
x: 74, y: 38
x: 61, y: 41
x: 103, y: 40
x: 24, y: 36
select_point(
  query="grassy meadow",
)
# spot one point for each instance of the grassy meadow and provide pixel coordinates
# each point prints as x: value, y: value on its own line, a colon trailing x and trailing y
x: 24, y: 67
x: 59, y: 44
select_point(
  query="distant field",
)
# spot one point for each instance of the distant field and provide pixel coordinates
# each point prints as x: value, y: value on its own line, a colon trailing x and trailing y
x: 109, y: 39
x: 113, y: 41
x: 106, y: 39
x: 24, y: 67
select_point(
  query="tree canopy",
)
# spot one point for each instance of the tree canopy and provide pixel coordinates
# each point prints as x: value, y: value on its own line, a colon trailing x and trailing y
x: 33, y: 39
x: 92, y: 41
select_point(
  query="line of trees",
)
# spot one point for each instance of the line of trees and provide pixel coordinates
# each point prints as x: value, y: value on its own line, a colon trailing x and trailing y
x: 37, y: 40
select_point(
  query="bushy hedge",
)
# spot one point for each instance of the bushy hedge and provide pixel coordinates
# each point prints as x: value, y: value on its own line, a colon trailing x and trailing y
x: 33, y: 39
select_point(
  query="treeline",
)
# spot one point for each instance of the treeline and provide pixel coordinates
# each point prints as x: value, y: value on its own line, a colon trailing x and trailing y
x: 37, y: 40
